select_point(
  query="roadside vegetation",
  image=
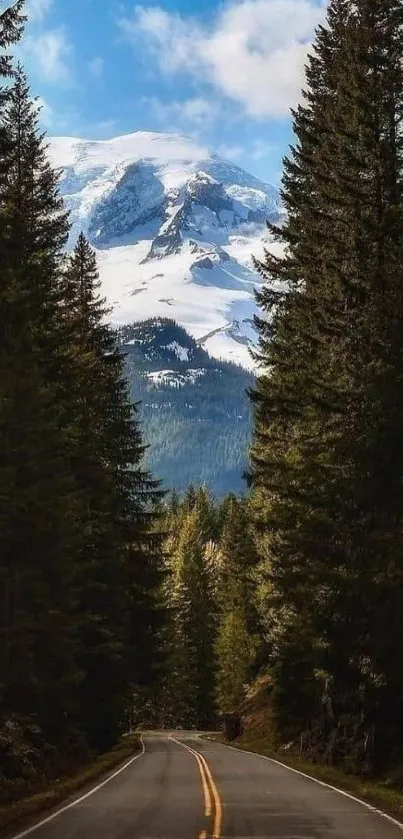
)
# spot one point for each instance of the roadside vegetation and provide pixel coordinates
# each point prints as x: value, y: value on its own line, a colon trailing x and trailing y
x: 40, y: 796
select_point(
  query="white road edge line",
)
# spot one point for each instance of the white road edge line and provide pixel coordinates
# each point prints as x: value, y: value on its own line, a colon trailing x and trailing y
x: 34, y: 827
x: 315, y: 780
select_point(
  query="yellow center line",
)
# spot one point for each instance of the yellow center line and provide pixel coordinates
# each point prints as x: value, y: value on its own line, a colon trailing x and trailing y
x: 217, y: 800
x: 205, y: 771
x: 206, y: 791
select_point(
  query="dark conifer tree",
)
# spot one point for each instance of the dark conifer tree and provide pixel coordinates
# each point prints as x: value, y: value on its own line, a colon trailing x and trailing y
x: 38, y: 510
x: 238, y: 647
x: 190, y: 497
x: 121, y: 564
x: 237, y: 561
x: 327, y: 456
x: 11, y: 27
x: 206, y: 514
x: 188, y: 694
x: 174, y: 502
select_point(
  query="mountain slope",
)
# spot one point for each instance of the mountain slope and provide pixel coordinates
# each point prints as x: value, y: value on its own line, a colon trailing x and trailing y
x: 195, y: 413
x: 175, y: 228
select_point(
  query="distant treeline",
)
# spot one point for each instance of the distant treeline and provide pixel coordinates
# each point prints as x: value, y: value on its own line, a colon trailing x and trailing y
x: 212, y: 637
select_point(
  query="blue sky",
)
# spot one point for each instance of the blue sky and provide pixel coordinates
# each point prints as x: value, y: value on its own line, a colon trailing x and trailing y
x: 226, y: 74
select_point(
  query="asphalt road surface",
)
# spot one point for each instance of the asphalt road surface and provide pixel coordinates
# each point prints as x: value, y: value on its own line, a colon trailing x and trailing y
x: 182, y: 787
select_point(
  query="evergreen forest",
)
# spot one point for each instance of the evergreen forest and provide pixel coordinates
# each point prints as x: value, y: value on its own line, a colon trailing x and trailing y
x: 196, y: 409
x: 122, y: 606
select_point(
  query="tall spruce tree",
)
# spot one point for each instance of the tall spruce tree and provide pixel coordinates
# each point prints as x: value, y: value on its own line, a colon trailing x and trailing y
x: 236, y: 562
x: 38, y: 509
x: 235, y: 652
x: 238, y: 646
x: 119, y: 574
x: 192, y: 625
x: 327, y: 455
x: 12, y: 21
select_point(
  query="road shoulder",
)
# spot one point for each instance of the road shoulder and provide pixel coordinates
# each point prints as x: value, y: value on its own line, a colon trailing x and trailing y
x: 381, y: 798
x: 64, y: 793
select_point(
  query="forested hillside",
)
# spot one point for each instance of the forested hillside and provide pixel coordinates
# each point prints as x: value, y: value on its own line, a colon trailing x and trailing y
x: 195, y: 410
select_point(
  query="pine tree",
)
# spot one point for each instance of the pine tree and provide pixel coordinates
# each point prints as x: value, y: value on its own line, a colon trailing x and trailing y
x: 238, y: 645
x: 174, y: 502
x: 38, y: 500
x: 120, y: 571
x: 193, y: 627
x: 237, y: 560
x: 206, y: 514
x: 328, y: 405
x: 11, y: 26
x: 223, y: 509
x: 190, y: 498
x: 235, y: 653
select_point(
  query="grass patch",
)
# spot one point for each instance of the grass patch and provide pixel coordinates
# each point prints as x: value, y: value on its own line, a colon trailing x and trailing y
x: 20, y: 812
x: 380, y: 794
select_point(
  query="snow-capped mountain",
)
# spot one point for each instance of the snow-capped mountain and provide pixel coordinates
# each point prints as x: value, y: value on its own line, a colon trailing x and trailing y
x: 175, y: 227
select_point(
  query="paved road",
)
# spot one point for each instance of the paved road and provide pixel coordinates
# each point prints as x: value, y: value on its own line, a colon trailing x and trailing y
x: 185, y: 788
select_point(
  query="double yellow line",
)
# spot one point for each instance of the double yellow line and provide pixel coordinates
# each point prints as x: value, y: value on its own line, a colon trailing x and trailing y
x: 210, y: 792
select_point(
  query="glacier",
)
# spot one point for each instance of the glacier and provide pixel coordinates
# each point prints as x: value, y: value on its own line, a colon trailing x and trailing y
x: 175, y: 228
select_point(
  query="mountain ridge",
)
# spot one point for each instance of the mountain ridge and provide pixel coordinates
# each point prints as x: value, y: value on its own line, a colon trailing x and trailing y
x: 175, y: 227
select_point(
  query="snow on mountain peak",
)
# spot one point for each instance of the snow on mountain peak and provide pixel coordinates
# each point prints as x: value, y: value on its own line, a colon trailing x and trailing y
x: 175, y: 227
x: 91, y: 154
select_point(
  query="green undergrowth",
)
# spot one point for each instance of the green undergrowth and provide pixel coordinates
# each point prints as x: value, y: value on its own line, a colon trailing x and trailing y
x: 21, y: 812
x: 380, y: 794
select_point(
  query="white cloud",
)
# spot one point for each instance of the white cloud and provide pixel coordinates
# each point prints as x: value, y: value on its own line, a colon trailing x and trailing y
x: 231, y: 152
x: 49, y: 52
x: 261, y: 149
x: 258, y: 150
x: 46, y: 116
x: 253, y: 53
x: 37, y: 9
x: 96, y: 66
x: 197, y: 111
